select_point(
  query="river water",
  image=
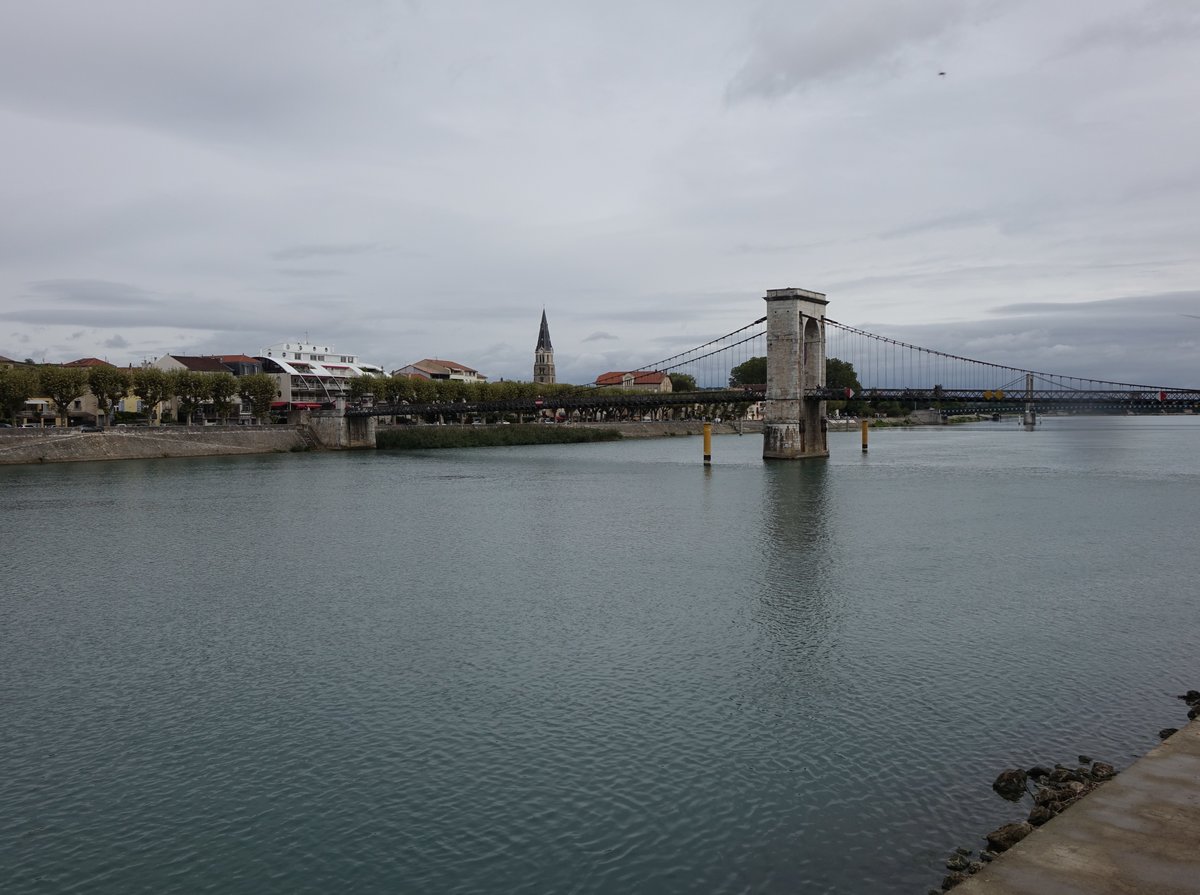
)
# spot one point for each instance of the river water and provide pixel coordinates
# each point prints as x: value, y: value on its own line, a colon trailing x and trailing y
x: 595, y: 668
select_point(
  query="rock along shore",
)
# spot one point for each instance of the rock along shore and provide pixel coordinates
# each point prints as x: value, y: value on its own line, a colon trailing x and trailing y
x: 1135, y: 834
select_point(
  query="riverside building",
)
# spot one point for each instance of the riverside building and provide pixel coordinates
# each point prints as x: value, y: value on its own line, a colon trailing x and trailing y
x: 312, y: 376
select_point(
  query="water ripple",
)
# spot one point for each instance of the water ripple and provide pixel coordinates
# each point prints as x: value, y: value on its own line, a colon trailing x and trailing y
x: 584, y: 669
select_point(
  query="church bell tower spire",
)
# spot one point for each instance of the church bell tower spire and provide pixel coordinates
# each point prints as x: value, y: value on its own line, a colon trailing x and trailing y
x: 543, y: 355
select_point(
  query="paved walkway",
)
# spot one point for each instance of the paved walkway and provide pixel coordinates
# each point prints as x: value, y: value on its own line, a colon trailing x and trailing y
x: 1138, y: 834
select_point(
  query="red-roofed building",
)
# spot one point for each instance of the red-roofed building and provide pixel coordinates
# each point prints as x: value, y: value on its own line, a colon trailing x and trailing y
x: 208, y: 365
x: 635, y: 381
x: 195, y: 364
x: 88, y: 362
x: 436, y: 368
x: 241, y: 364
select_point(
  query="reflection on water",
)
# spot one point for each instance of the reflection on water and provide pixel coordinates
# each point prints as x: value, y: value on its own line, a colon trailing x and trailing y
x: 584, y: 669
x: 797, y: 605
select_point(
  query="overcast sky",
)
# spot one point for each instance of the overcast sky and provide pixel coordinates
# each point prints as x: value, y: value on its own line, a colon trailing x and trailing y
x: 419, y: 179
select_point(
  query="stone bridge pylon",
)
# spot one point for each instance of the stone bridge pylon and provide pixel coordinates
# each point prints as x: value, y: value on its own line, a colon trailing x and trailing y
x: 794, y: 428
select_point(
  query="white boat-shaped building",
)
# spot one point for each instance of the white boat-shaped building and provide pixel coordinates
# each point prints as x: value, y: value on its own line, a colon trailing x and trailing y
x: 313, y: 377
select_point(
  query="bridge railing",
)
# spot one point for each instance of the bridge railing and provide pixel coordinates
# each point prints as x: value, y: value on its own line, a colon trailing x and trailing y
x: 1096, y: 398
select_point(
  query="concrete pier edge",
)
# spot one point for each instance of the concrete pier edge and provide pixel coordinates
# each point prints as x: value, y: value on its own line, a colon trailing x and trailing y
x: 1137, y: 834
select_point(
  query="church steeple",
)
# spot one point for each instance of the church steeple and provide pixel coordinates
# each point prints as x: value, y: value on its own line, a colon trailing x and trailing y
x: 543, y: 355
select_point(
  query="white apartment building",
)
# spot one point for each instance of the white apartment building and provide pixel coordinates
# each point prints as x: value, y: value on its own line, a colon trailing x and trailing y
x: 312, y: 376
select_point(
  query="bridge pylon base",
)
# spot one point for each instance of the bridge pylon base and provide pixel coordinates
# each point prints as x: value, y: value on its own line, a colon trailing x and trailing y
x: 787, y: 441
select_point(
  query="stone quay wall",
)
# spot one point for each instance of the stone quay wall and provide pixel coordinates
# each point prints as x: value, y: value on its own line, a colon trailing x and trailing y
x: 136, y: 443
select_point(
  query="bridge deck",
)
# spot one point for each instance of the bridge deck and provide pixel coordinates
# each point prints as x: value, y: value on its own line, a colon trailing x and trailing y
x: 1137, y: 833
x: 971, y: 399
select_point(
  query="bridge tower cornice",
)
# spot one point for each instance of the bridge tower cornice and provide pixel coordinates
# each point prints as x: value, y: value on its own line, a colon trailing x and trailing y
x: 791, y: 293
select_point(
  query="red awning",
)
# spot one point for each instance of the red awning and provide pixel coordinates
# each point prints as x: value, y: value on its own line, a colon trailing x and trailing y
x: 303, y: 405
x: 279, y: 403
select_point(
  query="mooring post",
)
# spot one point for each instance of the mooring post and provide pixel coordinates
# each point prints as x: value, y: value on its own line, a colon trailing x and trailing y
x: 864, y: 425
x: 793, y: 427
x: 708, y: 444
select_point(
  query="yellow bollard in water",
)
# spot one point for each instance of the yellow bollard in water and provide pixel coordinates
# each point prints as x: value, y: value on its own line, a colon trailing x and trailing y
x: 708, y: 444
x: 863, y: 425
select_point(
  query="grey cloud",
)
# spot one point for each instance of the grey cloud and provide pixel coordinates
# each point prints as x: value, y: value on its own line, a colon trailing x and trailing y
x: 797, y: 45
x: 599, y: 337
x: 92, y: 292
x: 209, y: 69
x: 587, y: 165
x: 1008, y: 221
x: 313, y: 273
x: 301, y: 252
x: 1147, y: 307
x: 1154, y: 24
x: 116, y: 342
x: 202, y: 318
x: 1138, y: 339
x: 745, y: 248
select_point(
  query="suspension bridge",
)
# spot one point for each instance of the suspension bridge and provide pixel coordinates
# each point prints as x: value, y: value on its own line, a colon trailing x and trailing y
x: 797, y: 338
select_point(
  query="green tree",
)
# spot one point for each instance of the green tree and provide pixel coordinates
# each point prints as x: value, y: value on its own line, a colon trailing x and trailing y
x: 192, y: 390
x: 109, y: 385
x: 17, y: 385
x: 532, y: 389
x: 63, y: 385
x: 683, y: 382
x: 840, y: 374
x: 361, y: 386
x: 504, y: 391
x: 752, y: 372
x: 261, y: 390
x: 452, y: 390
x: 424, y: 390
x: 400, y: 388
x: 221, y: 390
x: 151, y: 385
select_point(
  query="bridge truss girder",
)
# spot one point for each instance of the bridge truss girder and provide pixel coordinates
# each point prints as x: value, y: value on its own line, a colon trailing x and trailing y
x: 959, y: 399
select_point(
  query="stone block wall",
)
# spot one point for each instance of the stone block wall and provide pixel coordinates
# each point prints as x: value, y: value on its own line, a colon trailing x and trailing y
x: 71, y: 445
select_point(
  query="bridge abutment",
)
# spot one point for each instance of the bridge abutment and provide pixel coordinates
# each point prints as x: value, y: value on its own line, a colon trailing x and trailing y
x: 793, y: 427
x: 343, y: 433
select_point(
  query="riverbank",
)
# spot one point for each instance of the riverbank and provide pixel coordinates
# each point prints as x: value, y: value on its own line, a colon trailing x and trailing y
x: 1136, y: 833
x: 76, y: 446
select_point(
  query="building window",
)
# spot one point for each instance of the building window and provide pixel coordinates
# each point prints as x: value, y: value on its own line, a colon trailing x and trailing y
x: 79, y: 405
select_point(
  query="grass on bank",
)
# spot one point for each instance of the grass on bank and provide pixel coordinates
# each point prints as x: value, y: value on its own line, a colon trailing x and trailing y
x: 408, y: 438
